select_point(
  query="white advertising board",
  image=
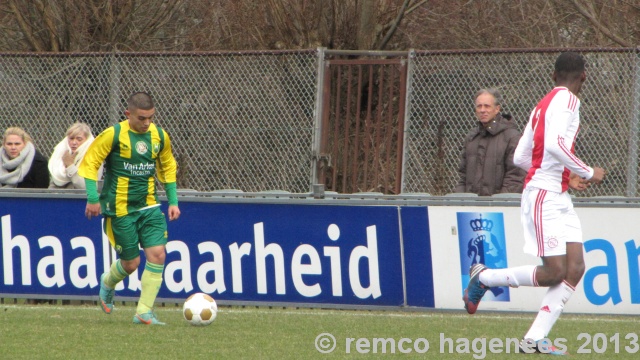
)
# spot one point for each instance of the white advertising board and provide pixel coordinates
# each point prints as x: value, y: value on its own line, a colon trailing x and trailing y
x: 611, y: 284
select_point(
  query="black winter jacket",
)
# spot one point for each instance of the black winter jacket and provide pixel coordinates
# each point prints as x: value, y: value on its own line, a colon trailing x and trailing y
x: 38, y: 175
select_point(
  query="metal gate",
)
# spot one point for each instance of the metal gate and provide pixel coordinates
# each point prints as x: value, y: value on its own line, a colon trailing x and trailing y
x: 363, y: 105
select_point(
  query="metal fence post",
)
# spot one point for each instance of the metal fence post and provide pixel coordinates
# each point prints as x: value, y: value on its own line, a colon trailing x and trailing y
x: 632, y: 167
x: 317, y: 128
x: 407, y: 114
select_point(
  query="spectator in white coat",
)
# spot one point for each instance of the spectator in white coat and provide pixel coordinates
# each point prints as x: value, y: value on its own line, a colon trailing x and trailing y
x: 67, y: 155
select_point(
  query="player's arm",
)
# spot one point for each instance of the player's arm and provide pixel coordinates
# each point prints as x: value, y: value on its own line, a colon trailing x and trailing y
x: 167, y: 173
x: 555, y: 140
x: 90, y: 166
x: 166, y: 163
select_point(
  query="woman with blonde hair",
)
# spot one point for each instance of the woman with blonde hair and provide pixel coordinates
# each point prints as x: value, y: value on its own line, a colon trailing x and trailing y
x: 67, y: 155
x: 21, y: 165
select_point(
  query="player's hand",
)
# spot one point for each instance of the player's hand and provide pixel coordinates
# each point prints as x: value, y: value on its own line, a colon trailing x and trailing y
x: 92, y: 210
x: 174, y: 212
x: 578, y: 183
x: 598, y: 175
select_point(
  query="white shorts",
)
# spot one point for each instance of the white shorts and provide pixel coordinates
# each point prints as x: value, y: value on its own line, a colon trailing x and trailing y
x: 549, y: 222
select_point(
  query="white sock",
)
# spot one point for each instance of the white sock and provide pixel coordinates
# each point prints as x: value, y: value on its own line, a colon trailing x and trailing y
x: 514, y: 277
x: 552, y: 306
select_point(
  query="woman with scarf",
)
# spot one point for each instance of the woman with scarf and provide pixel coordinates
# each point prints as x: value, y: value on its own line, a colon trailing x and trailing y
x: 66, y: 157
x: 21, y: 165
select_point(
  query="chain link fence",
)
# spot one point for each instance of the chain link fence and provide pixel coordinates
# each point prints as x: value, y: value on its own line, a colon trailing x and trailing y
x: 249, y: 120
x: 236, y: 120
x: 441, y: 111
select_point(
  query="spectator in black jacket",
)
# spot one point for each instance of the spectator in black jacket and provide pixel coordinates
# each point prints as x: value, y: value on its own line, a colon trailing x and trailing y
x: 21, y: 165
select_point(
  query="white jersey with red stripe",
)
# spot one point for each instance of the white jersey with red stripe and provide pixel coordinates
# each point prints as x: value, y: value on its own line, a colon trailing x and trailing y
x: 546, y: 148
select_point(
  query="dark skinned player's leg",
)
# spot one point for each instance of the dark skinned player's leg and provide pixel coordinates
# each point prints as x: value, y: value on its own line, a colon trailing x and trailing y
x: 561, y: 273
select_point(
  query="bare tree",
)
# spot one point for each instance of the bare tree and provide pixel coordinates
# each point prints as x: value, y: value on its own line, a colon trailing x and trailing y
x: 357, y: 24
x: 606, y: 16
x: 469, y: 24
x: 180, y: 25
x: 366, y: 11
x: 92, y: 25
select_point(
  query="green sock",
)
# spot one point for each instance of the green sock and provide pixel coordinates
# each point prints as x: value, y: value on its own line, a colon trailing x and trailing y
x: 116, y: 274
x: 151, y: 281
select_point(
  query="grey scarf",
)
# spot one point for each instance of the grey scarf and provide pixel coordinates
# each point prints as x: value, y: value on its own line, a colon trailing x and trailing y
x: 13, y: 171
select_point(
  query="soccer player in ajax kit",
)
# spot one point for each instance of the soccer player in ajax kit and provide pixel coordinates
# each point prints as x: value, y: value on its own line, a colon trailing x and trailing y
x: 134, y: 151
x: 552, y: 230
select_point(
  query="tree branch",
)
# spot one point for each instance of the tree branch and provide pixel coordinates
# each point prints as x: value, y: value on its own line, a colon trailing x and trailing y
x: 49, y: 25
x: 598, y: 25
x: 159, y: 18
x: 394, y: 25
x: 413, y: 7
x: 26, y: 29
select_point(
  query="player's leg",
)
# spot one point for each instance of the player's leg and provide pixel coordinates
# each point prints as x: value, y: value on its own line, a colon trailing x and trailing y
x: 552, y: 271
x: 153, y: 234
x: 151, y: 281
x: 482, y: 278
x: 558, y: 295
x: 538, y: 215
x: 575, y: 263
x: 571, y: 266
x: 123, y: 237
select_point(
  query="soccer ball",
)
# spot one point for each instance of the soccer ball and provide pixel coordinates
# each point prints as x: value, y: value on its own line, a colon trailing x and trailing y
x: 200, y: 309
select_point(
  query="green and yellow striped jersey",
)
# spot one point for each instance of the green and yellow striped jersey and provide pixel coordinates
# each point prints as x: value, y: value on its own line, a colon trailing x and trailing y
x: 131, y: 161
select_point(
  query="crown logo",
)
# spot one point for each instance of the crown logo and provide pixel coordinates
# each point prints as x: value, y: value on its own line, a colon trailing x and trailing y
x: 481, y: 224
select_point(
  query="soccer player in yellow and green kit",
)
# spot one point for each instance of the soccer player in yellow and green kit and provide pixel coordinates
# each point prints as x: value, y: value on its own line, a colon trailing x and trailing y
x: 134, y: 151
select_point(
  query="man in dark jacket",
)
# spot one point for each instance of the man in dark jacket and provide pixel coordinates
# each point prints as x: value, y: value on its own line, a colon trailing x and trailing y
x: 486, y: 164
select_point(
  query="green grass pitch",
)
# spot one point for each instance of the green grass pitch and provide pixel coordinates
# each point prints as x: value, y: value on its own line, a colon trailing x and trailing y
x: 84, y: 332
